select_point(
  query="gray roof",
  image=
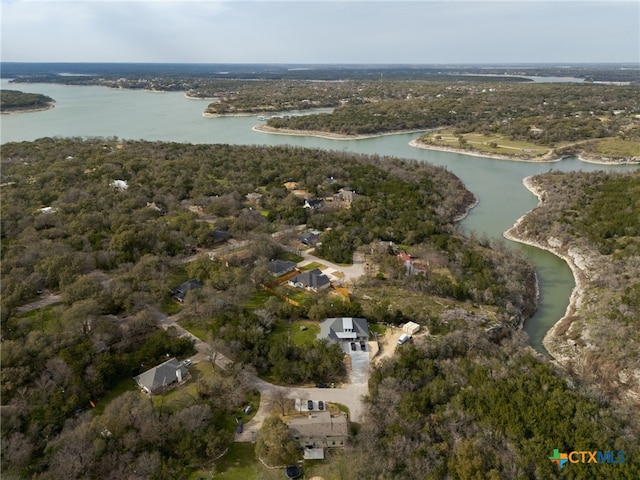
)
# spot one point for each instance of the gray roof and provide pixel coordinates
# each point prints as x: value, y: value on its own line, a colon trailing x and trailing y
x: 309, y: 238
x: 181, y: 290
x: 344, y: 328
x: 278, y: 267
x: 162, y: 375
x: 311, y: 279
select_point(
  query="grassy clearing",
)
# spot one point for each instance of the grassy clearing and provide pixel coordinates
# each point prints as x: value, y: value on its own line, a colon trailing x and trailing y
x: 492, y: 144
x: 618, y: 148
x: 291, y: 257
x: 258, y: 299
x: 377, y: 328
x: 170, y: 307
x: 124, y: 385
x: 295, y: 333
x: 44, y: 318
x: 198, y: 329
x: 185, y: 394
x: 238, y: 464
x: 313, y: 265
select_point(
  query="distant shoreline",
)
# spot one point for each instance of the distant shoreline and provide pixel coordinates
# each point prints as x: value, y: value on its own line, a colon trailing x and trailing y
x: 476, y: 153
x: 329, y: 135
x: 29, y: 110
x: 545, y: 159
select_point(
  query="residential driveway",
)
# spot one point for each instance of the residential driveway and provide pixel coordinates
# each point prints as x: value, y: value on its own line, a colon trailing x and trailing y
x: 339, y: 273
x: 359, y: 367
x: 359, y: 363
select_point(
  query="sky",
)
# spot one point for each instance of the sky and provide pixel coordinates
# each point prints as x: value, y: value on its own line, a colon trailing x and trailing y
x: 317, y: 32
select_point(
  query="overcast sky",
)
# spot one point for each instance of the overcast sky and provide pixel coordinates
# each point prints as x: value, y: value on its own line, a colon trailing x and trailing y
x: 302, y: 31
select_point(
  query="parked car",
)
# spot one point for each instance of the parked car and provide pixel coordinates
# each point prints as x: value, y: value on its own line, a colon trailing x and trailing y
x: 310, y: 404
x: 239, y: 426
x: 187, y: 362
x: 363, y: 346
x: 246, y: 410
x: 320, y: 405
x: 353, y: 346
x: 321, y: 385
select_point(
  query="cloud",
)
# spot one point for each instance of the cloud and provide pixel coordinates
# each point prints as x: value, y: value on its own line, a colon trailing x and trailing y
x: 306, y: 31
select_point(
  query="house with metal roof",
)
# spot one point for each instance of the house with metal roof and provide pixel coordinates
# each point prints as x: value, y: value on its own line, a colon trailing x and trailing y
x: 162, y: 377
x: 345, y: 328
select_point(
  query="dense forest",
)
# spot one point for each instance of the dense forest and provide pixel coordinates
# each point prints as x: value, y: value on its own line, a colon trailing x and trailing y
x: 111, y: 226
x: 461, y: 406
x: 107, y: 226
x: 16, y: 101
x: 592, y: 219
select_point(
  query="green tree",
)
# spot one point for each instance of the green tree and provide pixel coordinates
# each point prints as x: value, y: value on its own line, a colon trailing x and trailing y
x: 275, y: 446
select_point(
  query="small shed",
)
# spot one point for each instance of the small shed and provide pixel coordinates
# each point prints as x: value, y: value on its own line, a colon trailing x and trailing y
x: 411, y: 328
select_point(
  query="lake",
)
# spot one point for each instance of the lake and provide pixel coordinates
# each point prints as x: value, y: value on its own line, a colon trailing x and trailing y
x: 137, y: 114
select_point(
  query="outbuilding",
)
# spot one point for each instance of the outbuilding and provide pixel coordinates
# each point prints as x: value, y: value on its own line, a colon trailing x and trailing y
x: 411, y: 328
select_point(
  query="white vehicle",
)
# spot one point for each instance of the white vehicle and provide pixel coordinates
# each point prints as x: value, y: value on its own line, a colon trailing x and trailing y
x: 404, y: 338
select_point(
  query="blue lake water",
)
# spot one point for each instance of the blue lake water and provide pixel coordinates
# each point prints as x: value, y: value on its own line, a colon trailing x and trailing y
x: 136, y: 114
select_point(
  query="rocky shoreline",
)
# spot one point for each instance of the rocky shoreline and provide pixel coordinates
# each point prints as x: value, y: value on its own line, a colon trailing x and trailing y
x: 573, y: 259
x: 570, y: 348
x: 329, y: 135
x: 544, y: 159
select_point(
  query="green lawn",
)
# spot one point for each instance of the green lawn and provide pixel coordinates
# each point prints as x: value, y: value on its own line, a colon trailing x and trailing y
x: 44, y: 318
x: 185, y: 394
x: 297, y: 336
x: 376, y: 328
x: 124, y: 385
x: 618, y: 148
x: 290, y: 257
x: 198, y: 329
x: 240, y: 463
x: 313, y: 265
x: 258, y: 299
x: 485, y: 143
x: 171, y: 307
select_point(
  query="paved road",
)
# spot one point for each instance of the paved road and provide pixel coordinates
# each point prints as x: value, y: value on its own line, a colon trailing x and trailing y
x: 343, y: 274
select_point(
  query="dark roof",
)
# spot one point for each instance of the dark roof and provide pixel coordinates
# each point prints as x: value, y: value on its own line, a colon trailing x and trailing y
x: 311, y: 279
x: 181, y: 290
x: 280, y: 267
x: 309, y: 238
x: 315, y: 204
x: 220, y: 236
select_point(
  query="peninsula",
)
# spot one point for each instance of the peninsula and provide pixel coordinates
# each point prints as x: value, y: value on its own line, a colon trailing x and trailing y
x: 14, y: 101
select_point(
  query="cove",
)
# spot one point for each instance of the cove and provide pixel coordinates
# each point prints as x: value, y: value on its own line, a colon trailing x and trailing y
x: 142, y: 115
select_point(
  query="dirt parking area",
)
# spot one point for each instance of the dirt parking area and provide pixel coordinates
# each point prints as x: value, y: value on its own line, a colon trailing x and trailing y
x: 387, y: 344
